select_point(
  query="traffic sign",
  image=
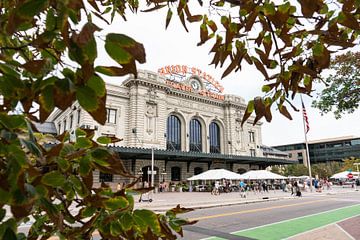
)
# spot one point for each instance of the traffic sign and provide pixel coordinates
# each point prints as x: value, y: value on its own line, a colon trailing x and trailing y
x: 350, y: 175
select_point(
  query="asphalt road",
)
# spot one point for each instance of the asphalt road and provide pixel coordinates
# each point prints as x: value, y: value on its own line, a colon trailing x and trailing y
x: 222, y: 221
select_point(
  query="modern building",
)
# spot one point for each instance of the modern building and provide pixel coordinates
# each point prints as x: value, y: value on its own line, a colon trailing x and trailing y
x: 324, y: 150
x: 178, y: 117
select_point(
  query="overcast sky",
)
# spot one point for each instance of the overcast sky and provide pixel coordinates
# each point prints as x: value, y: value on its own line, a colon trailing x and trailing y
x: 176, y: 46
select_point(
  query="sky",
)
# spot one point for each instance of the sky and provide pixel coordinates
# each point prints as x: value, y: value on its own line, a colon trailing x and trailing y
x: 176, y: 46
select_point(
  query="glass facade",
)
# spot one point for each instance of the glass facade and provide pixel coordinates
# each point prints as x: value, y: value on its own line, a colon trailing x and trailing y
x: 214, y: 134
x: 173, y: 133
x: 195, y: 136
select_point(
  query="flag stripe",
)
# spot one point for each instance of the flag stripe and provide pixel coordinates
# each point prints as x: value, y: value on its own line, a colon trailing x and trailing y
x: 306, y: 120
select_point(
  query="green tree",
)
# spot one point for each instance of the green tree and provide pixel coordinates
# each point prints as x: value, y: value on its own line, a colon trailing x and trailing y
x: 47, y: 58
x: 48, y: 50
x: 349, y: 164
x: 295, y: 170
x: 343, y: 91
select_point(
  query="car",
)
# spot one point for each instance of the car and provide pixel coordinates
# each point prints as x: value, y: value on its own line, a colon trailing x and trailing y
x: 201, y: 188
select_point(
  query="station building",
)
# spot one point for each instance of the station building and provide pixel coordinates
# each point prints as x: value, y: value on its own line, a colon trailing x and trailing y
x: 179, y: 118
x: 323, y: 150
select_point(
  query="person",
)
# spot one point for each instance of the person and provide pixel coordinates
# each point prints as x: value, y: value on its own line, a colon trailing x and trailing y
x: 216, y: 188
x: 242, y: 187
x: 297, y: 189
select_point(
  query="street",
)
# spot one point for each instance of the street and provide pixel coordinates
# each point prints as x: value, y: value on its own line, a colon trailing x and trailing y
x: 221, y: 221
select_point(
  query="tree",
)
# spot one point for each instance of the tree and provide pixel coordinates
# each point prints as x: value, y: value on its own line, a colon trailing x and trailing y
x: 349, y: 164
x: 295, y: 170
x: 343, y: 91
x: 289, y: 42
x: 47, y: 60
x: 47, y: 55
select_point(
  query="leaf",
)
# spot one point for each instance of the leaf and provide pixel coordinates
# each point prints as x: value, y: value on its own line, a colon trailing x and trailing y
x: 87, y: 98
x: 9, y: 234
x: 30, y: 8
x: 116, y: 203
x: 97, y: 84
x: 168, y: 18
x: 146, y: 218
x: 111, y: 71
x: 124, y: 49
x: 158, y: 6
x: 248, y: 111
x: 82, y: 142
x: 103, y: 140
x: 35, y: 66
x: 53, y: 179
x: 260, y: 67
x: 283, y: 110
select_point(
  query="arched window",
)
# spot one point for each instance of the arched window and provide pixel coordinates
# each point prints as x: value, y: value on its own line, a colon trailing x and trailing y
x: 195, y: 136
x: 175, y: 174
x: 214, y: 132
x: 198, y: 170
x: 173, y: 133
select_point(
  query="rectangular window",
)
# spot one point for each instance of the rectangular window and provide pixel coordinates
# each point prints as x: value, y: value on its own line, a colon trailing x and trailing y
x: 59, y: 128
x: 64, y: 125
x: 252, y: 153
x: 105, y: 177
x: 71, y: 121
x: 252, y: 136
x: 111, y: 115
x: 78, y: 116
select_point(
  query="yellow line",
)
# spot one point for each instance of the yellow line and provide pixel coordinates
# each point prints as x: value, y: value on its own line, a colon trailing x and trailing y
x: 255, y: 210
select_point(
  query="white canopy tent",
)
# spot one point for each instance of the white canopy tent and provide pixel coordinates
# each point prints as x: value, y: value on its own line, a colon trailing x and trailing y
x: 344, y: 175
x: 261, y: 175
x: 216, y: 174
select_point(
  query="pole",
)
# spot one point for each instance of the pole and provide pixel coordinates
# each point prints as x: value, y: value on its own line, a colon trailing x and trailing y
x: 307, y: 148
x: 152, y: 166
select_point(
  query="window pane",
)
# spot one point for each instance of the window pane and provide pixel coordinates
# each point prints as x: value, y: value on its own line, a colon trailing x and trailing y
x: 195, y: 136
x: 173, y: 133
x: 214, y: 134
x: 111, y: 116
x: 175, y: 174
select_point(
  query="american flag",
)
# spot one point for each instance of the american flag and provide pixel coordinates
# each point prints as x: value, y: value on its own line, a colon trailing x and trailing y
x: 306, y: 120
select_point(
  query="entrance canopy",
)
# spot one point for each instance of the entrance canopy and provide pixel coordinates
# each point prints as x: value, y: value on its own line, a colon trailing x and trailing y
x: 216, y: 174
x: 261, y: 175
x: 345, y: 175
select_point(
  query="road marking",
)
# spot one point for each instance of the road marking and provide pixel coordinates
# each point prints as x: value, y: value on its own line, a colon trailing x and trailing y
x: 256, y: 210
x: 292, y: 227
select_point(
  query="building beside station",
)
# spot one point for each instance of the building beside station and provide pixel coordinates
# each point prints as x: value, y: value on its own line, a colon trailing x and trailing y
x: 180, y: 117
x: 324, y: 150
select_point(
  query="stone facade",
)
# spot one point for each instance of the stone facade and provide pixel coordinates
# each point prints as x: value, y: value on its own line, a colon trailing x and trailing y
x: 138, y: 113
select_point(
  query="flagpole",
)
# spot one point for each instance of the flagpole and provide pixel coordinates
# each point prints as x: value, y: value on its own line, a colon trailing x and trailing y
x: 306, y: 145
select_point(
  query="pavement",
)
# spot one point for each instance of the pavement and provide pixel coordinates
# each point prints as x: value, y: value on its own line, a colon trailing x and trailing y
x: 164, y: 201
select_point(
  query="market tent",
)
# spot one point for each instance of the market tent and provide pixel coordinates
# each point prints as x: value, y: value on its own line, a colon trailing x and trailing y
x: 344, y: 175
x: 261, y: 174
x: 215, y: 174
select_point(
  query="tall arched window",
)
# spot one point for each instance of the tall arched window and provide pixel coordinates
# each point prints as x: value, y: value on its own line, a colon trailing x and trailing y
x: 195, y: 136
x: 175, y: 174
x: 214, y: 132
x: 173, y: 133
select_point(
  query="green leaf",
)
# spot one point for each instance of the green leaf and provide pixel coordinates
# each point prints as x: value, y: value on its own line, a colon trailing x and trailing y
x: 126, y: 221
x: 146, y: 218
x: 63, y: 164
x: 318, y: 49
x: 79, y: 132
x: 115, y: 228
x: 103, y: 140
x: 87, y: 98
x: 124, y: 49
x: 265, y: 88
x: 2, y: 214
x: 97, y: 84
x: 88, y: 211
x: 53, y: 179
x: 46, y: 98
x: 50, y: 20
x: 84, y: 168
x: 31, y: 8
x: 83, y: 142
x: 12, y: 121
x: 4, y: 196
x: 116, y: 203
x: 111, y: 71
x: 9, y: 234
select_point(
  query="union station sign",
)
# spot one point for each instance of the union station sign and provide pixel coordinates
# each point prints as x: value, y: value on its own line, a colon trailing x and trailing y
x: 191, y: 79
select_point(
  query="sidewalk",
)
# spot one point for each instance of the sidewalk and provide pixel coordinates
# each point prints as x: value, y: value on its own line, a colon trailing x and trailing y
x: 162, y: 202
